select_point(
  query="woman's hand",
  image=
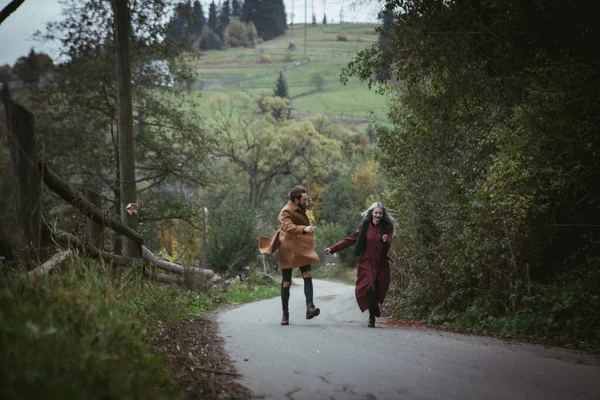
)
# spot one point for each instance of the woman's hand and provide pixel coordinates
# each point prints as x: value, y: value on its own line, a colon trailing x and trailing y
x: 327, y: 251
x: 384, y: 238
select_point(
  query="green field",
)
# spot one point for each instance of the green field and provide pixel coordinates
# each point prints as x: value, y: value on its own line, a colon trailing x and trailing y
x: 221, y: 73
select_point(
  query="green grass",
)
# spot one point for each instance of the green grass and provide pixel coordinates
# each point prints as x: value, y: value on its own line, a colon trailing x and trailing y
x: 353, y: 102
x: 89, y: 332
x: 243, y: 292
x: 338, y: 273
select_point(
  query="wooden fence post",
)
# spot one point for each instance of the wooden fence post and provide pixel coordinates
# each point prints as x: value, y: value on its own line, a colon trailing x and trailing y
x: 95, y: 231
x: 27, y: 184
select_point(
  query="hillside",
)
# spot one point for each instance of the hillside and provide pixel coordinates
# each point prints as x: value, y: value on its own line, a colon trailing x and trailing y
x: 329, y: 49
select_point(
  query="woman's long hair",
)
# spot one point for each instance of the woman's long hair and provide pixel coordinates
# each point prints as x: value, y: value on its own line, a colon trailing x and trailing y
x: 368, y: 214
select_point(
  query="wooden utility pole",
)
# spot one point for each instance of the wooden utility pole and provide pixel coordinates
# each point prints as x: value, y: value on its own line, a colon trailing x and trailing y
x: 27, y: 184
x: 204, y: 248
x: 305, y: 26
x: 125, y: 120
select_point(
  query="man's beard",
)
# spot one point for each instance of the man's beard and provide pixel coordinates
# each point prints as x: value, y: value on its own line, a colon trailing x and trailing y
x: 302, y: 206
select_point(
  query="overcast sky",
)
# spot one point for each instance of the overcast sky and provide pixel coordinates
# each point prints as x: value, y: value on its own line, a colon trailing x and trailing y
x: 17, y: 30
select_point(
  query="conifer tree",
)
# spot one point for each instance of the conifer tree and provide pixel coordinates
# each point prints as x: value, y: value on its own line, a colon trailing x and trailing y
x: 281, y: 88
x: 197, y: 19
x: 213, y: 22
x: 224, y: 16
x: 179, y: 25
x: 269, y: 18
x: 248, y: 11
x: 236, y: 9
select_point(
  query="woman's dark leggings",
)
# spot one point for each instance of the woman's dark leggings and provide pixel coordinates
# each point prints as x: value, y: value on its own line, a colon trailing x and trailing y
x: 373, y: 297
x: 286, y: 276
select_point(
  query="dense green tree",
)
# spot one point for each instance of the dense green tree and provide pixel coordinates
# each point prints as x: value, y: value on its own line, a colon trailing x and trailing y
x: 387, y: 25
x: 210, y: 40
x: 32, y: 67
x: 213, y: 19
x: 236, y: 9
x: 5, y: 92
x: 186, y: 23
x: 240, y: 33
x: 262, y: 147
x: 5, y: 73
x: 281, y: 87
x: 198, y: 20
x: 224, y: 16
x: 248, y: 10
x: 270, y: 18
x: 324, y: 19
x: 492, y: 154
x: 76, y: 117
x: 180, y: 23
x: 231, y: 227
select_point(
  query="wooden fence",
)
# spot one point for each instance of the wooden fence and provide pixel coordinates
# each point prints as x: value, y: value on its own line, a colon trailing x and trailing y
x: 34, y: 237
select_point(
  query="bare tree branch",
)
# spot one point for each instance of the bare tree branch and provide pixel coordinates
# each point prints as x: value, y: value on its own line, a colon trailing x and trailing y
x: 9, y: 9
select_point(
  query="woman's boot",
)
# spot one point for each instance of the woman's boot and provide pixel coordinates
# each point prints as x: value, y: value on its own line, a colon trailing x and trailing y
x: 374, y: 310
x: 371, y: 323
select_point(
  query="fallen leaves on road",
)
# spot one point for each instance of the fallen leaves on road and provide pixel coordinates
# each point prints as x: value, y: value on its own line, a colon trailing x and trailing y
x: 194, y: 352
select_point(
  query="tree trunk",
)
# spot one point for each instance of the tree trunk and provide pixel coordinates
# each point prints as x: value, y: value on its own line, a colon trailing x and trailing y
x: 125, y: 120
x: 52, y: 263
x: 95, y: 231
x: 253, y: 192
x: 27, y: 185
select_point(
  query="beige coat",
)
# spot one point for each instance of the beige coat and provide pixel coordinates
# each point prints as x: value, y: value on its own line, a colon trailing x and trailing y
x: 296, y: 248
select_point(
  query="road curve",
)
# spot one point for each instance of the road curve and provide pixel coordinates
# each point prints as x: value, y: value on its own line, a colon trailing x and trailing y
x: 335, y: 356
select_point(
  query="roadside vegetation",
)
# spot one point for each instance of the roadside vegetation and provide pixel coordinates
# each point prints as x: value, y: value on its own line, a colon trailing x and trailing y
x: 92, y: 332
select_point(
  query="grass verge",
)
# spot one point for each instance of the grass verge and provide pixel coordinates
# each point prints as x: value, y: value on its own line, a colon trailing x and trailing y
x: 88, y: 332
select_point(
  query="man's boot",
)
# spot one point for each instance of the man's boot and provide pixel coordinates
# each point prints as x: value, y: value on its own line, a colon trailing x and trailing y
x: 312, y: 311
x: 285, y: 320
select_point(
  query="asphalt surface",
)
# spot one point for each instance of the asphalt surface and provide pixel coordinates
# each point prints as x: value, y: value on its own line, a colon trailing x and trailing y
x: 335, y: 356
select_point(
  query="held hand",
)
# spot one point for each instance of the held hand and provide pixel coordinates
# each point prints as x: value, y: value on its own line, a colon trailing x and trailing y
x: 327, y: 251
x: 384, y: 238
x: 309, y: 229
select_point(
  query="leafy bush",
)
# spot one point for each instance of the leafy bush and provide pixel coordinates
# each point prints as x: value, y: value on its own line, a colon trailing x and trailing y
x: 208, y: 40
x: 239, y: 33
x: 342, y: 38
x: 232, y: 238
x: 318, y: 80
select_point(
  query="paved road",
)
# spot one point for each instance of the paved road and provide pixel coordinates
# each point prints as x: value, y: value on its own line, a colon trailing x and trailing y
x: 335, y: 356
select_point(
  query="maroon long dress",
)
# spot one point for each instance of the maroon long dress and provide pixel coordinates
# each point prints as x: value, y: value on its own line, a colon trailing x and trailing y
x: 372, y: 266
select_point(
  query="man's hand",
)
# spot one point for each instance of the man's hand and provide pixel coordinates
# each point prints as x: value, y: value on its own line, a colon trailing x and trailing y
x: 327, y: 251
x: 309, y: 229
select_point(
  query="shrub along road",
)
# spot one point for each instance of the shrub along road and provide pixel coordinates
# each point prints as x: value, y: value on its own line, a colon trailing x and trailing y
x: 335, y: 356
